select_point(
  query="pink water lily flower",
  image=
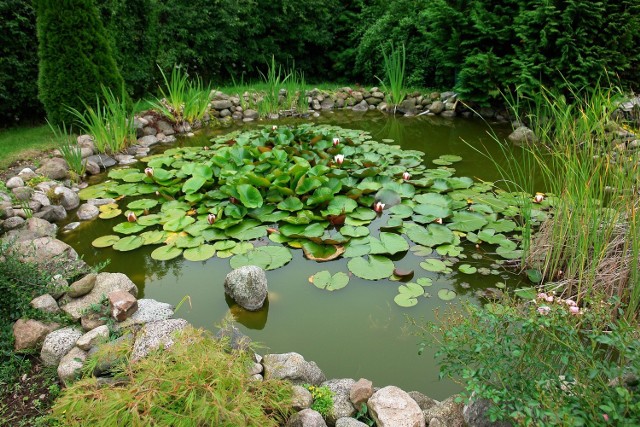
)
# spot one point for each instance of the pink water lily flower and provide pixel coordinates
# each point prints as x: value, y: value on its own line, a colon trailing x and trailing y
x: 211, y: 218
x: 438, y: 221
x: 538, y: 198
x: 378, y: 207
x: 148, y: 172
x: 338, y: 158
x: 544, y: 310
x: 131, y: 217
x: 274, y: 127
x: 406, y: 176
x: 336, y: 141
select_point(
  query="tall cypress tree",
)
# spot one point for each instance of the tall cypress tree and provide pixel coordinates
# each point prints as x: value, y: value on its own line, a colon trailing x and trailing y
x: 75, y: 57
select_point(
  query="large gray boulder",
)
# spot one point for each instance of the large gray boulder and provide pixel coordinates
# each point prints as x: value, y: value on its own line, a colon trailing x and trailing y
x: 306, y: 418
x: 360, y: 392
x: 53, y: 213
x: 475, y: 414
x: 523, y: 136
x: 361, y: 106
x: 247, y: 286
x: 57, y: 344
x: 105, y: 283
x: 71, y: 365
x: 41, y: 228
x: 68, y: 198
x: 149, y: 310
x: 436, y: 107
x: 301, y: 398
x: 93, y: 337
x: 13, y: 223
x: 55, y: 168
x: 29, y: 334
x: 82, y: 286
x: 45, y: 303
x: 349, y: 422
x: 447, y: 413
x: 342, y: 406
x: 102, y: 160
x: 155, y: 335
x: 45, y: 250
x: 393, y: 407
x: 14, y: 182
x: 292, y: 367
x: 423, y: 401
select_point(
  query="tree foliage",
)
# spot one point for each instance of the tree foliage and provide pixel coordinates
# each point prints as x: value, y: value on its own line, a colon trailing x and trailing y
x: 75, y: 57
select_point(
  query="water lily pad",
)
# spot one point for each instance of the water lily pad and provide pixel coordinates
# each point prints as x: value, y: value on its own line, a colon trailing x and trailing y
x: 321, y: 253
x: 105, y: 241
x: 467, y: 269
x: 154, y: 237
x: 375, y: 267
x: 446, y: 294
x: 341, y: 205
x: 291, y: 204
x: 434, y: 265
x: 389, y: 243
x: 351, y: 231
x: 254, y: 257
x: 324, y: 280
x: 187, y: 241
x: 142, y: 204
x: 407, y: 294
x: 128, y: 228
x: 280, y: 256
x: 128, y: 243
x: 199, y: 253
x: 425, y: 281
x: 178, y: 224
x: 111, y: 213
x: 432, y: 235
x: 166, y: 252
x: 467, y: 221
x: 148, y: 220
x: 249, y: 196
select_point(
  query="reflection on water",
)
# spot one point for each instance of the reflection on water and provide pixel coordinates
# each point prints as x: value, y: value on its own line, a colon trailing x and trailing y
x: 355, y: 332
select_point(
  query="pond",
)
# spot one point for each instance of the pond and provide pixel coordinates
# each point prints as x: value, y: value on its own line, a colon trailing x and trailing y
x: 357, y: 331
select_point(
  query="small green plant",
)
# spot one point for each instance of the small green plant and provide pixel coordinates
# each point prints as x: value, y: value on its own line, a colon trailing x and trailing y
x: 363, y: 415
x: 394, y: 67
x: 69, y: 148
x: 274, y: 79
x: 543, y: 362
x: 183, y: 100
x: 198, y: 381
x: 110, y: 122
x: 322, y: 399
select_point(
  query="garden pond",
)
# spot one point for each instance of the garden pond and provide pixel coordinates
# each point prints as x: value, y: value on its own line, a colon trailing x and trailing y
x: 233, y: 203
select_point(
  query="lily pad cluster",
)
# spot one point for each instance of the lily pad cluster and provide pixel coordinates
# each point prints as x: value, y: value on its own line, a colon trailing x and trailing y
x: 328, y: 191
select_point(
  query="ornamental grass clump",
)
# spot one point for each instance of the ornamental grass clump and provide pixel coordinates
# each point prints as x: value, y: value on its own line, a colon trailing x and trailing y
x: 395, y: 70
x: 183, y: 100
x: 198, y: 381
x: 70, y: 150
x: 543, y: 362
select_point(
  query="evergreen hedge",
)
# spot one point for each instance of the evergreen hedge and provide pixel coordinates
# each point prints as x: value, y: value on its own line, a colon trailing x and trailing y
x: 75, y: 57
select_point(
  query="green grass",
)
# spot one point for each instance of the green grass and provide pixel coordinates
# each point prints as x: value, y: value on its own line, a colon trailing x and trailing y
x: 22, y: 143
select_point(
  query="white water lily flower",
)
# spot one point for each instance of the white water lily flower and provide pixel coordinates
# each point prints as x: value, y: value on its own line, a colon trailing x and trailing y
x: 378, y: 207
x: 338, y: 158
x: 406, y: 176
x: 336, y: 141
x: 148, y: 172
x: 211, y: 218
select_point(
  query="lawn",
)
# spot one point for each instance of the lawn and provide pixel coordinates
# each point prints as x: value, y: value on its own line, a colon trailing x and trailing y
x: 22, y: 143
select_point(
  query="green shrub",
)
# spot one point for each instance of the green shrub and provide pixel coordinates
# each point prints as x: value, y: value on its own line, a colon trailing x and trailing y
x: 544, y: 362
x: 75, y: 57
x: 198, y: 381
x: 322, y: 399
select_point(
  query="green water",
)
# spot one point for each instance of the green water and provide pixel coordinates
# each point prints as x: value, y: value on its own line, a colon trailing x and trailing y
x: 355, y: 332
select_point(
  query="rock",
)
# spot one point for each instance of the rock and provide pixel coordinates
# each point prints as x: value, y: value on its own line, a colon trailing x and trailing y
x: 306, y: 418
x: 87, y: 212
x: 301, y: 398
x: 126, y: 159
x: 26, y: 174
x: 523, y: 136
x: 83, y: 286
x: 475, y: 414
x: 342, y: 406
x: 13, y: 223
x: 112, y: 354
x: 255, y: 369
x: 100, y: 202
x: 154, y: 335
x: 408, y: 106
x: 52, y: 213
x: 247, y: 286
x: 315, y: 104
x: 122, y: 304
x: 102, y: 160
x: 447, y: 96
x: 92, y: 320
x: 165, y: 127
x: 149, y: 130
x: 86, y: 152
x: 45, y: 303
x: 450, y: 106
x: 149, y: 310
x: 327, y: 104
x: 147, y: 141
x: 22, y: 193
x: 487, y: 113
x: 6, y: 210
x: 59, y: 286
x: 92, y: 168
x: 448, y: 413
x: 423, y: 401
x: 71, y: 364
x: 29, y: 334
x: 14, y: 182
x: 360, y: 392
x: 68, y: 198
x: 237, y: 340
x: 251, y: 114
x: 57, y: 344
x: 93, y: 337
x: 44, y: 250
x: 373, y: 101
x: 436, y: 107
x: 393, y: 407
x: 223, y: 104
x: 105, y: 283
x: 361, y: 106
x: 55, y: 168
x: 349, y: 422
x: 41, y: 228
x: 292, y: 367
x: 85, y: 140
x: 448, y: 113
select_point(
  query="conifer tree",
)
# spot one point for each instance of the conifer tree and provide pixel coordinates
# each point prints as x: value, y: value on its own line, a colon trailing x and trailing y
x: 75, y: 57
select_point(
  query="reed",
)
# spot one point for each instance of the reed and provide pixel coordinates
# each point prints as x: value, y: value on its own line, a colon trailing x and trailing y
x: 69, y: 148
x: 394, y: 67
x: 183, y: 99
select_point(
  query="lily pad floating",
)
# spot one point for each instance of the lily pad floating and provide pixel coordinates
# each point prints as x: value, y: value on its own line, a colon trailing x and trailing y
x: 446, y: 294
x: 199, y: 253
x: 128, y: 243
x: 266, y: 257
x: 425, y: 281
x: 375, y: 267
x: 128, y: 228
x: 407, y: 294
x: 142, y: 204
x: 166, y: 252
x: 110, y: 213
x: 467, y: 269
x: 434, y: 265
x: 105, y: 241
x: 324, y: 280
x: 320, y: 252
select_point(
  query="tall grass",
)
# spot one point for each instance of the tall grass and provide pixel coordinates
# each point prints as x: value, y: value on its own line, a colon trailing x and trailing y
x: 110, y: 122
x: 274, y: 78
x: 591, y: 243
x: 394, y: 67
x: 183, y: 99
x: 69, y: 148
